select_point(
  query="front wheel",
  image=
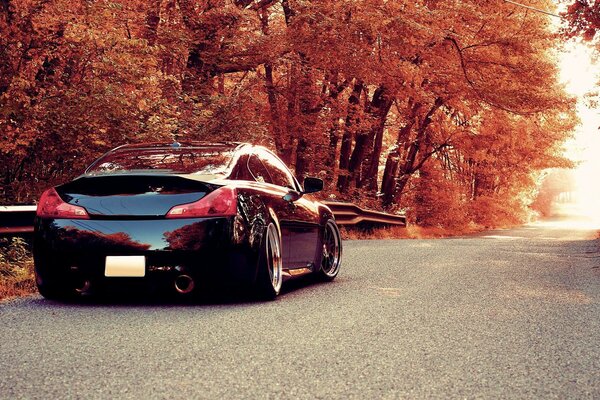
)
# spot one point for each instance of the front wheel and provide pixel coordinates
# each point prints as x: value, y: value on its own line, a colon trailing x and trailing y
x: 332, y: 251
x: 270, y: 277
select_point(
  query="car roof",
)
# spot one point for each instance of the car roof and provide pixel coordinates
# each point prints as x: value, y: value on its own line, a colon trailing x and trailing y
x: 191, y: 145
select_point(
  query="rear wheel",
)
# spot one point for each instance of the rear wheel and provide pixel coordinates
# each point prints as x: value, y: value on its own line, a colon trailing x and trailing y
x: 58, y: 286
x: 331, y: 258
x: 53, y: 290
x: 270, y: 275
x: 51, y: 286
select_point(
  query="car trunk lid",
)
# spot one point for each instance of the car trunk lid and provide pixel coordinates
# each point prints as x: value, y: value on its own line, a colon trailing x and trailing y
x: 140, y: 195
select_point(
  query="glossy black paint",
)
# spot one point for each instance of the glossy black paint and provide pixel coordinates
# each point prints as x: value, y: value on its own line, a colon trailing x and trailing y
x: 127, y: 217
x: 203, y: 248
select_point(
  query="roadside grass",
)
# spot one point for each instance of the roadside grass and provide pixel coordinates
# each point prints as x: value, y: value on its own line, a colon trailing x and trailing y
x: 16, y: 269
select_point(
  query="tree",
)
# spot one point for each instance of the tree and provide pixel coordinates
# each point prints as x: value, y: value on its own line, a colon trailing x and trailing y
x: 583, y: 20
x: 388, y: 101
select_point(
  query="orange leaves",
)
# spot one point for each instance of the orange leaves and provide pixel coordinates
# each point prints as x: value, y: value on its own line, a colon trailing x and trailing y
x: 77, y: 78
x: 464, y: 90
x: 583, y: 20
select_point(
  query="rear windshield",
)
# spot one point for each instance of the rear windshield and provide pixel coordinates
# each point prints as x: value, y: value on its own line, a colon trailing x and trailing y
x: 208, y: 161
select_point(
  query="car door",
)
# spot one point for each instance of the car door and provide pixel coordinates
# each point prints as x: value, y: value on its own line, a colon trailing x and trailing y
x: 301, y: 221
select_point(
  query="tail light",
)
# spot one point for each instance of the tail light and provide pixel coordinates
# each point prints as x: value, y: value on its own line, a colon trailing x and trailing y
x: 52, y: 206
x: 219, y: 203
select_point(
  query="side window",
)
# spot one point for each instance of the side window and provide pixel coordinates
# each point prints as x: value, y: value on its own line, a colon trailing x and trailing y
x: 240, y: 171
x: 279, y: 172
x: 258, y: 170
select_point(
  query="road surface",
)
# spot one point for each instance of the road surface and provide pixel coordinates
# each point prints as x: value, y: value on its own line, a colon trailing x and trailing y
x: 509, y: 314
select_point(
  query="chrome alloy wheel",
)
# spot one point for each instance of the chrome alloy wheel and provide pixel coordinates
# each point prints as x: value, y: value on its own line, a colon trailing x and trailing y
x: 274, y: 262
x: 332, y: 251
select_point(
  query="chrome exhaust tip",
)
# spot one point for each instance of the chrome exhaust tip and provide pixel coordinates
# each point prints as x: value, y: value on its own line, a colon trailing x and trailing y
x: 184, y: 284
x: 83, y: 286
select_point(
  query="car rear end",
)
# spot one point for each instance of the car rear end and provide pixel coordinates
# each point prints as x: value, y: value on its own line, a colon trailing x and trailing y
x: 143, y: 229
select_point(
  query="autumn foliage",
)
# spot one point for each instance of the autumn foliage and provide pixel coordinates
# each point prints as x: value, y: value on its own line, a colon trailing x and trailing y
x: 583, y: 20
x: 445, y: 109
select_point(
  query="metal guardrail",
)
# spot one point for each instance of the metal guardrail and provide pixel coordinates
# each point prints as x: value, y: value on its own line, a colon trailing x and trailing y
x: 18, y: 220
x: 349, y: 214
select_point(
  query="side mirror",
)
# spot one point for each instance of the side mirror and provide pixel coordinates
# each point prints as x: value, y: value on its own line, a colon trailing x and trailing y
x: 312, y: 185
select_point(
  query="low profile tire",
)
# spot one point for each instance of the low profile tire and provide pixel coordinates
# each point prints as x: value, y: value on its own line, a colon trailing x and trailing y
x: 53, y: 290
x: 270, y: 277
x: 331, y: 258
x: 50, y: 287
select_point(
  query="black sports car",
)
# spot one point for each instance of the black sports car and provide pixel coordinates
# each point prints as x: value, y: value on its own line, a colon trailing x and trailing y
x: 183, y: 215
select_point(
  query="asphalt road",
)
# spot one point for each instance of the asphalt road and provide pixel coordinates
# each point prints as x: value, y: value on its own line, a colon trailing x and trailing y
x: 506, y: 314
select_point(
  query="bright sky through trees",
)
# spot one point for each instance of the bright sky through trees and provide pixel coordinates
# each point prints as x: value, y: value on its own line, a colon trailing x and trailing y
x: 579, y: 72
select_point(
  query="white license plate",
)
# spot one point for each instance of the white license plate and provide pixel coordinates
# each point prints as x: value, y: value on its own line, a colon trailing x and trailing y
x: 125, y: 266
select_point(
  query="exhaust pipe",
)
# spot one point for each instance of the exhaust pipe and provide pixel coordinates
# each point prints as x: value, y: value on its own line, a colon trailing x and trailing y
x: 184, y: 284
x: 82, y: 286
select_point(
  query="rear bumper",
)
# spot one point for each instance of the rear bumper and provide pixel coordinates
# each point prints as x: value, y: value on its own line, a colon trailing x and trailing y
x: 211, y: 248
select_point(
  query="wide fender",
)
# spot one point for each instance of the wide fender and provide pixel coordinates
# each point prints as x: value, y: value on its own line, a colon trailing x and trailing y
x: 255, y: 216
x: 325, y: 214
x: 275, y: 220
x: 262, y: 216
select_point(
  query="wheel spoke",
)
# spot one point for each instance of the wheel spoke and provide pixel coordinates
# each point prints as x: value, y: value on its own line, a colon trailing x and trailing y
x: 331, y: 250
x: 274, y: 256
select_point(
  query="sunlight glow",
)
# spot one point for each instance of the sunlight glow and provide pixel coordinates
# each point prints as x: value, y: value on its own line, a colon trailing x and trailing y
x: 580, y: 74
x: 572, y: 224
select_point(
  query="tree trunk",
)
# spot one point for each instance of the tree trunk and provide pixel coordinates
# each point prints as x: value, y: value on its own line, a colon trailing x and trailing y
x: 360, y: 147
x: 288, y: 12
x: 276, y: 124
x: 287, y: 150
x: 301, y: 158
x: 334, y: 132
x: 408, y: 167
x: 305, y: 119
x: 401, y: 183
x: 276, y: 130
x: 370, y: 167
x: 389, y: 177
x: 347, y: 137
x: 152, y: 22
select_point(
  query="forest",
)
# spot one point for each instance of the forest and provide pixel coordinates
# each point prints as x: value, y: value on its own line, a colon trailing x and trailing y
x: 450, y: 111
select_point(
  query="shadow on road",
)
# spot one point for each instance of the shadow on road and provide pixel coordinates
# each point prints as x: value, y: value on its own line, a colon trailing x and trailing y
x: 117, y: 297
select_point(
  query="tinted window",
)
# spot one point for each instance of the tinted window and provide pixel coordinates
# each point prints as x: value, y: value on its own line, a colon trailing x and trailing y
x: 240, y: 170
x: 258, y: 170
x: 184, y: 161
x: 278, y: 171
